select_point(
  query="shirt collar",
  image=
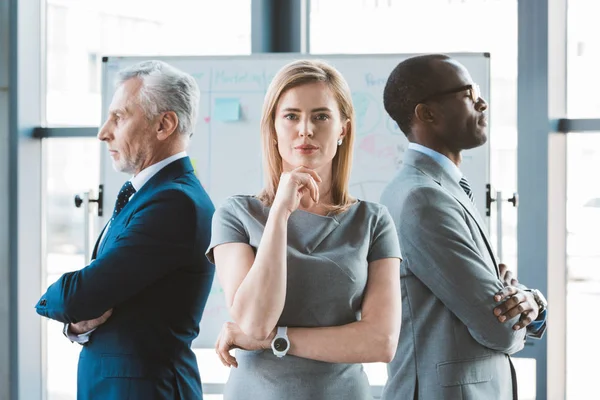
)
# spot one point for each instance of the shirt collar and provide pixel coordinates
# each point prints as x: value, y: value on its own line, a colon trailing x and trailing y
x: 145, y: 175
x: 447, y: 164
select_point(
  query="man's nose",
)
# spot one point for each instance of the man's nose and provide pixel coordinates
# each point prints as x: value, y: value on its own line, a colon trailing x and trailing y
x: 481, y: 105
x: 103, y: 133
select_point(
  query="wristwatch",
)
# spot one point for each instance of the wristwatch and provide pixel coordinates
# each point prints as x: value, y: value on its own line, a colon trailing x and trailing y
x: 539, y: 299
x: 280, y: 343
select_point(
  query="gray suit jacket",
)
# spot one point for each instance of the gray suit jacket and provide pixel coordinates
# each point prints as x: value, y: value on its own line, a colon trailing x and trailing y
x: 451, y: 344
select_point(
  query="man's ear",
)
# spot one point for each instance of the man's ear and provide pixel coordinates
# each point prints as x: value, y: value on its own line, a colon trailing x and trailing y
x: 424, y: 113
x: 167, y: 125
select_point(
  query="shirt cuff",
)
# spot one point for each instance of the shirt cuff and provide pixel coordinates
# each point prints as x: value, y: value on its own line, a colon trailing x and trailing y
x: 73, y: 337
x: 536, y: 325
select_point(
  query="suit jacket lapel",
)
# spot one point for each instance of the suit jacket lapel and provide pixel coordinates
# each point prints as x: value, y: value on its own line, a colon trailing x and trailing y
x: 430, y: 167
x: 460, y: 195
x: 95, y: 251
x: 168, y: 173
x: 102, y: 240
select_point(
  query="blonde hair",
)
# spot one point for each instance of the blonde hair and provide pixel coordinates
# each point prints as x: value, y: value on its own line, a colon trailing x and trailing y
x: 295, y: 74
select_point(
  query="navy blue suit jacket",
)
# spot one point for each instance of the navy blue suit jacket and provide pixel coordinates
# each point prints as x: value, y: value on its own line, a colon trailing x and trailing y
x: 151, y: 269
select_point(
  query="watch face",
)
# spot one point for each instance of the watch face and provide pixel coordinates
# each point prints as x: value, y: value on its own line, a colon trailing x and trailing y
x: 280, y: 344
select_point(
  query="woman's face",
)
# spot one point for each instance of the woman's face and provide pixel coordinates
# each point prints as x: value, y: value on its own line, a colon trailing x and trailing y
x: 309, y: 124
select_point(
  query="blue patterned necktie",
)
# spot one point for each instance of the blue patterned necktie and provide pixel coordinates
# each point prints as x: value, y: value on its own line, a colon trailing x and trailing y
x: 127, y: 190
x: 464, y: 184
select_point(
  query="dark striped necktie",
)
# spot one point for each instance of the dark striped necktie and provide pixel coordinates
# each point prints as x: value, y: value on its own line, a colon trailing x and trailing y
x: 467, y: 188
x: 127, y: 190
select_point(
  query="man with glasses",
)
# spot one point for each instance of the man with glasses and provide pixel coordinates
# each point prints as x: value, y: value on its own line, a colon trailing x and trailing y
x: 463, y: 314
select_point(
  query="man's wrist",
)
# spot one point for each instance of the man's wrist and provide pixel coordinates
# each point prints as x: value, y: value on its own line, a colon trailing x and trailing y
x: 74, y: 337
x: 531, y: 300
x: 73, y: 328
x: 539, y: 299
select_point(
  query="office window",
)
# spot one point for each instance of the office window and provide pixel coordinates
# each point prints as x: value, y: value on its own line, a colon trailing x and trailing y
x: 93, y: 73
x: 583, y: 261
x: 72, y: 166
x: 422, y: 26
x: 78, y: 29
x: 583, y: 59
x: 56, y: 42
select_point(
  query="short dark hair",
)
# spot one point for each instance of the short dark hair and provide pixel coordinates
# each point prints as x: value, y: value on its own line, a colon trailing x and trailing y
x: 408, y: 83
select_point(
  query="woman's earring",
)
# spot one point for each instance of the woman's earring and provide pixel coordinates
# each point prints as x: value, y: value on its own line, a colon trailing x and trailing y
x: 340, y: 141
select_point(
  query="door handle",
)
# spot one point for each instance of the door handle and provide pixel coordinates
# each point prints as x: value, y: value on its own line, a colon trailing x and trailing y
x: 99, y: 200
x: 498, y: 199
x: 87, y: 223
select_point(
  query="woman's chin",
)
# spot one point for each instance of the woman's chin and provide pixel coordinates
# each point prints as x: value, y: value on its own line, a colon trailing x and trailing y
x: 308, y: 162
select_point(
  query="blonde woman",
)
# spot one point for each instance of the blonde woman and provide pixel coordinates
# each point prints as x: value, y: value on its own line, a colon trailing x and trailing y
x: 310, y: 274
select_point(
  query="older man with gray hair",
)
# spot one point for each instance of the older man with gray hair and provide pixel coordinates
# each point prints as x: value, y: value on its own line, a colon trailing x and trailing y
x: 137, y: 306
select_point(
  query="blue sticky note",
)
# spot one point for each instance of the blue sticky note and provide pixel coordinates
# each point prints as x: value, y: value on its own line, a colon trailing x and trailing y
x: 227, y: 109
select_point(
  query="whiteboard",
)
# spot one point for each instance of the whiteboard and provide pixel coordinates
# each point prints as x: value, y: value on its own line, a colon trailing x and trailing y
x: 226, y: 147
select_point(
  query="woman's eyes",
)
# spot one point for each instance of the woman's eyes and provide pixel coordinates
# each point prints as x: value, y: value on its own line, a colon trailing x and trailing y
x: 318, y: 117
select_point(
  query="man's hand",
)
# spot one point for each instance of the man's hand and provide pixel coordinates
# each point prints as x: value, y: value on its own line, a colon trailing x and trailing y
x: 507, y: 277
x: 232, y: 337
x: 517, y: 301
x: 86, y: 326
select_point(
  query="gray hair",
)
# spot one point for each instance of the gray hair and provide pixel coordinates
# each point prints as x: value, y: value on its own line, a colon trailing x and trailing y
x: 165, y: 88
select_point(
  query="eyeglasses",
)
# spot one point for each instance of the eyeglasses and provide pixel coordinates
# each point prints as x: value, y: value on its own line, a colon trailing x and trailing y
x: 474, y: 93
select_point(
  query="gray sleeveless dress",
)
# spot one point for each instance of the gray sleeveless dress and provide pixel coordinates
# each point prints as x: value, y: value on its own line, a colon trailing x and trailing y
x: 327, y: 265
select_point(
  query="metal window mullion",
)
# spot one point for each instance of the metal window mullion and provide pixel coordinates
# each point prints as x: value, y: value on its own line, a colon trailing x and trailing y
x: 64, y: 132
x: 579, y: 125
x: 25, y: 199
x: 541, y: 156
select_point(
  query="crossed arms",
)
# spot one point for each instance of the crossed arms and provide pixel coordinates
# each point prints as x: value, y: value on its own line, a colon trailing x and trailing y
x: 432, y: 230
